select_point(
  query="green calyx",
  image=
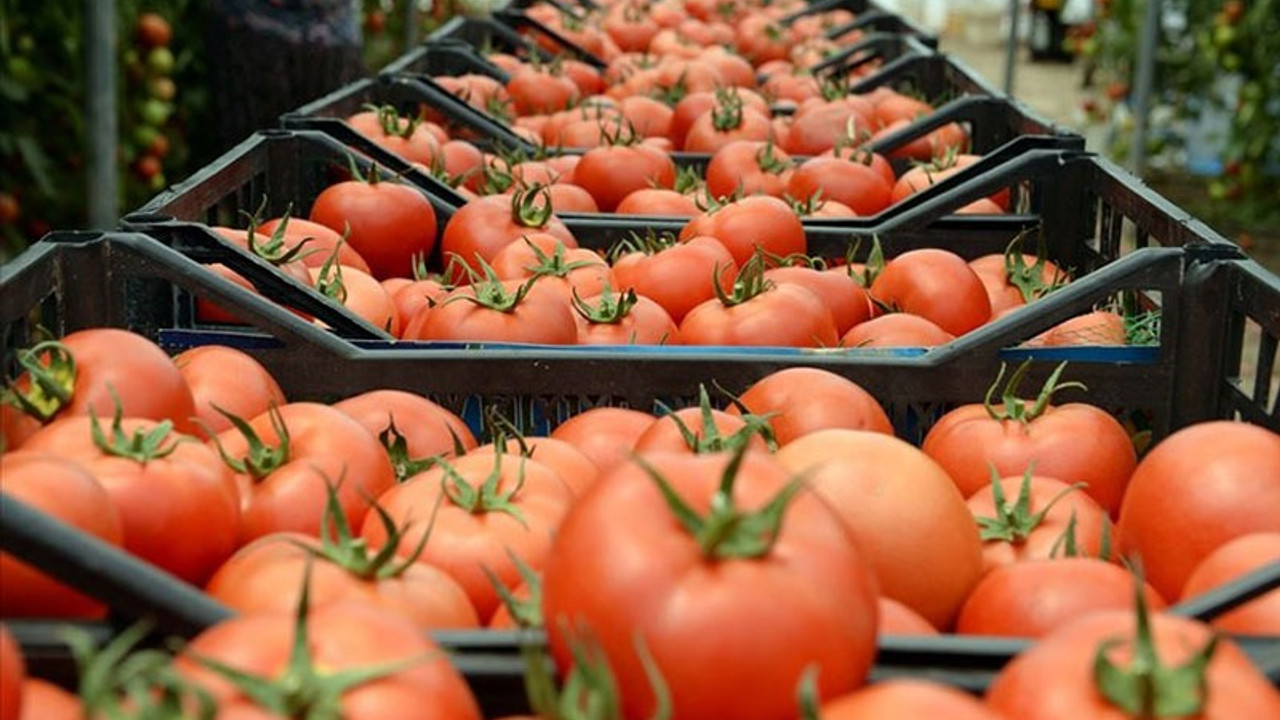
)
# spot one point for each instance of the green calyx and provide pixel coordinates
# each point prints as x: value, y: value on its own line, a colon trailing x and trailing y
x: 727, y: 114
x: 392, y: 123
x: 51, y: 371
x: 491, y: 293
x: 1147, y: 688
x: 709, y: 439
x: 303, y: 692
x: 1029, y: 279
x: 141, y: 446
x: 274, y: 250
x: 590, y: 691
x: 486, y: 497
x: 531, y: 206
x: 767, y: 159
x: 726, y: 532
x: 618, y: 132
x: 688, y: 181
x: 553, y: 265
x: 263, y: 459
x: 329, y: 282
x: 339, y: 546
x: 610, y: 309
x: 1014, y: 408
x: 1066, y: 546
x: 1015, y: 523
x: 405, y: 465
x: 526, y: 613
x: 750, y: 282
x: 651, y: 242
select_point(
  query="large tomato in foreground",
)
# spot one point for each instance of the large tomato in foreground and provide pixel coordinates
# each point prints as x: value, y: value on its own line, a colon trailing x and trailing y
x: 1195, y: 491
x: 732, y: 578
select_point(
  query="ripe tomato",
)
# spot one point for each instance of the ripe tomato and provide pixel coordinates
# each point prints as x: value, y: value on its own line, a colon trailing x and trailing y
x: 898, y: 619
x: 426, y: 429
x: 286, y: 460
x: 841, y: 293
x: 89, y: 369
x: 532, y: 311
x: 361, y: 294
x: 1229, y: 562
x: 67, y: 492
x: 544, y: 256
x: 853, y: 184
x: 749, y: 167
x: 804, y: 590
x: 344, y: 637
x: 743, y: 225
x: 12, y: 674
x: 578, y: 471
x: 1057, y: 678
x: 819, y: 127
x: 407, y: 137
x: 699, y: 430
x: 1026, y: 518
x: 612, y: 172
x: 227, y: 378
x: 538, y: 91
x: 695, y: 104
x: 43, y: 700
x: 1101, y: 327
x: 273, y: 250
x: 679, y: 276
x: 971, y: 439
x: 321, y: 242
x: 414, y: 298
x: 1196, y: 490
x: 903, y: 511
x: 907, y: 698
x: 1032, y: 598
x: 729, y: 121
x: 649, y: 117
x: 798, y: 401
x: 937, y: 285
x: 623, y: 318
x: 491, y: 505
x: 568, y: 198
x: 896, y: 330
x: 922, y: 177
x: 657, y: 201
x: 484, y: 226
x: 761, y: 314
x: 386, y: 222
x: 606, y: 435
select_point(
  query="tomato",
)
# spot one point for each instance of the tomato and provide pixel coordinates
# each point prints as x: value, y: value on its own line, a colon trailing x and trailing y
x: 629, y: 27
x: 45, y: 701
x: 89, y: 369
x: 267, y: 575
x: 484, y: 226
x: 426, y: 429
x: 612, y: 172
x: 798, y: 401
x: 538, y: 91
x: 657, y: 201
x: 843, y: 295
x: 164, y: 485
x: 513, y: 311
x: 153, y: 30
x: 1013, y: 279
x: 1101, y: 327
x: 1057, y: 677
x: 761, y: 313
x: 972, y: 439
x: 274, y: 250
x: 1033, y: 598
x: 361, y: 294
x: 341, y: 638
x: 606, y: 435
x: 406, y: 137
x: 902, y: 509
x: 787, y: 86
x: 544, y: 256
x: 805, y: 592
x: 491, y: 506
x: 695, y: 104
x: 896, y: 330
x: 819, y: 127
x: 460, y: 159
x: 1196, y: 490
x: 623, y: 318
x: 735, y: 69
x: 851, y: 183
x: 730, y: 121
x: 853, y: 152
x: 748, y: 167
x: 649, y: 117
x: 759, y: 39
x: 907, y: 698
x: 567, y: 198
x: 415, y: 298
x: 576, y: 470
x: 586, y: 77
x: 922, y: 177
x: 743, y: 225
x: 318, y: 242
x: 898, y: 619
x: 288, y: 458
x: 227, y: 378
x: 1027, y: 518
x: 386, y: 222
x: 678, y: 276
x: 1229, y: 562
x: 937, y: 285
x: 12, y: 675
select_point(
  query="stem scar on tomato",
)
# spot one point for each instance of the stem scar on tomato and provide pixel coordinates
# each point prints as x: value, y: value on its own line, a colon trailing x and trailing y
x: 1014, y: 408
x: 262, y: 459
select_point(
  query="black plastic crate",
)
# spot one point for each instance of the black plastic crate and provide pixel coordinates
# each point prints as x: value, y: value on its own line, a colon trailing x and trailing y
x: 868, y: 15
x: 512, y: 31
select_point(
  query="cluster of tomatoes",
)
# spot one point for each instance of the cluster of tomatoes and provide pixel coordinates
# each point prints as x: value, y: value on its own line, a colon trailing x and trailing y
x: 150, y: 64
x: 771, y: 537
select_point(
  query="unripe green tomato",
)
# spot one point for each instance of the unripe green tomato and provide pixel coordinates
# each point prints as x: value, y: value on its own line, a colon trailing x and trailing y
x: 1231, y: 61
x: 1224, y: 35
x: 23, y: 72
x: 158, y: 182
x: 145, y: 135
x: 160, y: 61
x: 154, y: 112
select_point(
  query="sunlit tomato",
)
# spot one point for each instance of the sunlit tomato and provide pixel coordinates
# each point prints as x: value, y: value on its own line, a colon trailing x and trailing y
x: 428, y: 429
x: 538, y: 91
x: 482, y: 227
x: 318, y: 242
x: 623, y: 319
x: 361, y: 294
x: 852, y: 183
x: 748, y: 167
x: 1029, y: 521
x: 611, y: 173
x: 517, y: 311
x: 783, y: 315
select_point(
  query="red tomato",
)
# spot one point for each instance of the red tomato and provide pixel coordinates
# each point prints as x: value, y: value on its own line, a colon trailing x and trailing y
x: 819, y: 127
x: 1101, y: 327
x: 898, y: 619
x: 649, y: 117
x: 805, y: 593
x: 492, y: 505
x: 513, y: 311
x: 227, y: 378
x: 903, y: 511
x: 798, y: 401
x: 1198, y: 489
x: 272, y: 250
x: 91, y: 368
x: 896, y: 699
x: 427, y: 429
x: 386, y: 222
x: 415, y: 298
x: 361, y: 294
x: 699, y: 430
x: 1026, y: 521
x: 695, y: 104
x: 604, y: 434
x: 972, y: 439
x: 164, y: 485
x: 623, y: 319
x: 937, y: 285
x: 567, y: 198
x: 841, y: 293
x: 544, y: 256
x: 294, y: 452
x: 484, y: 226
x: 538, y: 91
x: 784, y: 315
x: 677, y: 276
x: 896, y: 330
x: 1055, y: 679
x: 12, y: 674
x: 743, y: 225
x: 657, y: 201
x: 724, y: 124
x: 344, y: 637
x: 1229, y: 562
x: 847, y: 182
x: 407, y: 137
x: 318, y: 242
x: 578, y: 471
x: 1033, y: 598
x: 749, y: 167
x: 612, y: 172
x: 45, y: 701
